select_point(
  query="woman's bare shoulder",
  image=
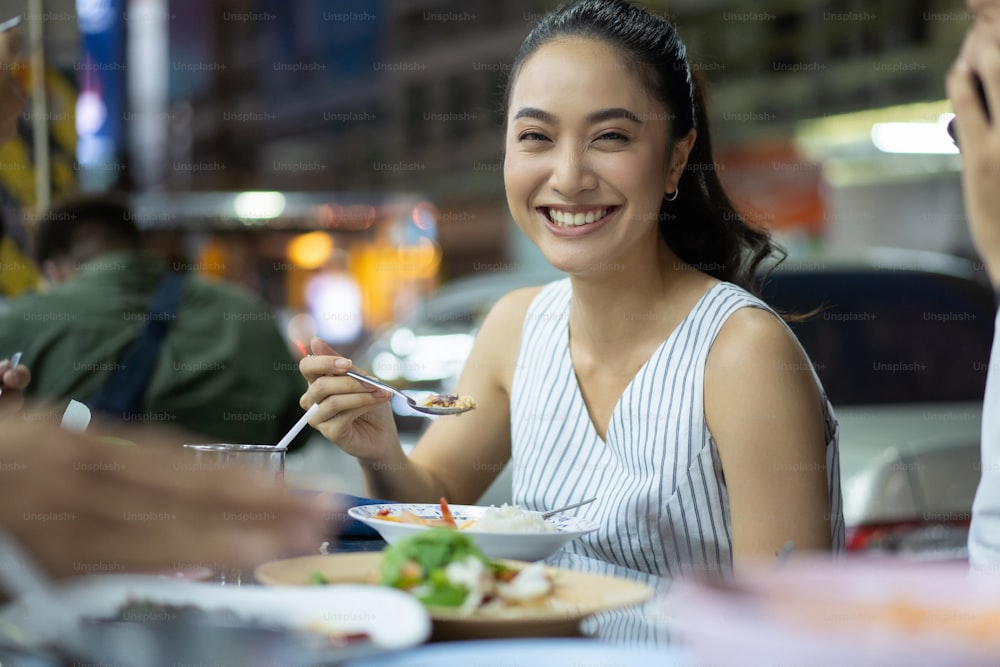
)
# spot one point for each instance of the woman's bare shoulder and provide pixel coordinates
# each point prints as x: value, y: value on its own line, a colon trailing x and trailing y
x: 752, y: 336
x: 513, y: 306
x: 500, y: 332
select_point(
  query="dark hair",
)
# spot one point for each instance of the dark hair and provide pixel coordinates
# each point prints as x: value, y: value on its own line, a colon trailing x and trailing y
x: 701, y: 226
x: 105, y: 218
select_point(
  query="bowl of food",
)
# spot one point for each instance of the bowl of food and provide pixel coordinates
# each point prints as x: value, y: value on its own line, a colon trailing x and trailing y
x: 507, y: 531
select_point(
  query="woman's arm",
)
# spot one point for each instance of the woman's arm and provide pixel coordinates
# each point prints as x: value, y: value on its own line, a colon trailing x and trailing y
x: 457, y: 457
x: 765, y: 412
x: 466, y: 453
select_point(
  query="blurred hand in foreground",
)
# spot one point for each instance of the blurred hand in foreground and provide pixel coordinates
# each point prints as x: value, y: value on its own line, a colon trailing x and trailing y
x: 80, y: 505
x: 12, y: 384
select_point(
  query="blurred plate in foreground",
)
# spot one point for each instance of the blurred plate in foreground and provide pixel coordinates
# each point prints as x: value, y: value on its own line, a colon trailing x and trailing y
x: 357, y: 620
x: 856, y: 612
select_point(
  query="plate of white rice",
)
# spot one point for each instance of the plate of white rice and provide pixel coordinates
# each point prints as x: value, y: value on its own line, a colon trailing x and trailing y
x: 507, y: 531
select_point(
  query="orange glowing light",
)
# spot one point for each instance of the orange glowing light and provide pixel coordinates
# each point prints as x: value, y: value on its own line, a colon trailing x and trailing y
x: 310, y: 251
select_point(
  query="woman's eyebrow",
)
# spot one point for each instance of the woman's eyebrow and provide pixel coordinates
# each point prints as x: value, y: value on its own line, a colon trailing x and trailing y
x: 602, y: 115
x: 598, y: 116
x: 537, y: 114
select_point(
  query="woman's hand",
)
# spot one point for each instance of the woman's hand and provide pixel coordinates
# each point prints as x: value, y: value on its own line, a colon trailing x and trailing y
x: 979, y: 139
x: 13, y: 381
x: 353, y: 414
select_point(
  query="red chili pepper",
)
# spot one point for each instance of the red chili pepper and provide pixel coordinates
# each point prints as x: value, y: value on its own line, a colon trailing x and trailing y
x: 446, y: 515
x: 385, y: 511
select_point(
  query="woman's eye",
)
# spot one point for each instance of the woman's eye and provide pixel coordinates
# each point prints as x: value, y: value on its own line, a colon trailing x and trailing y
x: 612, y: 136
x: 532, y: 136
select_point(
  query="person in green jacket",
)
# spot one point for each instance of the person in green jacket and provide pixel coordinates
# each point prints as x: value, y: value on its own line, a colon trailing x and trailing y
x: 222, y: 370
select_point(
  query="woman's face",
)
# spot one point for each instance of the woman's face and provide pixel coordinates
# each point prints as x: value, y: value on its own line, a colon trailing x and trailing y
x: 586, y: 163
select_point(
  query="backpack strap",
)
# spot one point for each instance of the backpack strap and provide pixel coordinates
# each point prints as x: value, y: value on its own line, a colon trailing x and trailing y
x: 123, y: 392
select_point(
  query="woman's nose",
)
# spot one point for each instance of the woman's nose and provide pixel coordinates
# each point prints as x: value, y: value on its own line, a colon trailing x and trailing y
x: 571, y: 172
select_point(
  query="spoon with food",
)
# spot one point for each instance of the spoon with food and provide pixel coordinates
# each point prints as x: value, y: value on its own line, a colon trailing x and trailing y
x: 435, y: 404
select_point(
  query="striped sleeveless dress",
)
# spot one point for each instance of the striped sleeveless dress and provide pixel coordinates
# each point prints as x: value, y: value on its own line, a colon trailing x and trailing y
x: 662, y: 504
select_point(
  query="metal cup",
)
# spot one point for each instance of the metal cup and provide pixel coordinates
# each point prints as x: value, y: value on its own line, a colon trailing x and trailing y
x: 265, y: 458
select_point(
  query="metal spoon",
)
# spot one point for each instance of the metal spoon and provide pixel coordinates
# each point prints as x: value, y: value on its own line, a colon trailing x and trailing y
x: 426, y: 409
x: 560, y: 510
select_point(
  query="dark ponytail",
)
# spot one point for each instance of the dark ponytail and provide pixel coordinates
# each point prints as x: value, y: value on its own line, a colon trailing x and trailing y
x: 701, y: 225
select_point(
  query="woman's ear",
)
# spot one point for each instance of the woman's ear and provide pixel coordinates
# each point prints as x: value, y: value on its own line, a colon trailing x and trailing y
x: 678, y: 160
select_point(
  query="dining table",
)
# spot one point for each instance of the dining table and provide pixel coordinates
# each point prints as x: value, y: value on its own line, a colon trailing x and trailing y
x: 638, y: 635
x: 863, y: 611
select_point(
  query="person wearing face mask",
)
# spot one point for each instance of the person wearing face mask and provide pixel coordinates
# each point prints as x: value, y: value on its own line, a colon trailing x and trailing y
x: 979, y: 141
x: 652, y: 377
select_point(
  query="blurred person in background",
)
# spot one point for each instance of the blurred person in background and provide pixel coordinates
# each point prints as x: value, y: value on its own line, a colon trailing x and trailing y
x: 12, y: 380
x: 651, y: 378
x: 979, y: 141
x: 132, y: 340
x: 77, y: 505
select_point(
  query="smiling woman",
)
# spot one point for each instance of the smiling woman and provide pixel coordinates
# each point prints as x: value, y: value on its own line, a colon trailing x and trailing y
x: 650, y: 377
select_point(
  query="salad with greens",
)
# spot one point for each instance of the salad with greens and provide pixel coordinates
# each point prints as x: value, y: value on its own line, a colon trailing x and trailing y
x: 445, y: 568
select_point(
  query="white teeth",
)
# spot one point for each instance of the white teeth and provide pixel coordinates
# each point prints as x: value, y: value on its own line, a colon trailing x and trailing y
x: 567, y: 219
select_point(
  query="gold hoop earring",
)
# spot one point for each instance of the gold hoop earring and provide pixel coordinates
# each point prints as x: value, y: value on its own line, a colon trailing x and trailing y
x: 672, y: 196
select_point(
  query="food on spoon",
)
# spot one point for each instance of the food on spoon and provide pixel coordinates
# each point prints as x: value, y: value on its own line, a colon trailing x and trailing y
x: 444, y: 568
x: 449, y: 401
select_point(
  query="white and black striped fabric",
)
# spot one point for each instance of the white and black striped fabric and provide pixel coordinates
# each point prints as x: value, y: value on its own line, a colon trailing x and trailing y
x: 662, y: 503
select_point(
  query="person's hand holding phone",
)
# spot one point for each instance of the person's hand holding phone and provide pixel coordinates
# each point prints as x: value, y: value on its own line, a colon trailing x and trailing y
x: 979, y: 138
x: 11, y: 94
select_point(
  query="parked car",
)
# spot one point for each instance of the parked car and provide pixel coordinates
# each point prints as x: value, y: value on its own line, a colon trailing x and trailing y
x: 900, y: 339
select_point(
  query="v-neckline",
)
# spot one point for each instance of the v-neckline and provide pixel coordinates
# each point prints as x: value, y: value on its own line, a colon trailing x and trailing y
x: 578, y: 391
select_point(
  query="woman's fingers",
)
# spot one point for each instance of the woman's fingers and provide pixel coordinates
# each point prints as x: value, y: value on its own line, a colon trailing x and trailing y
x: 319, y: 346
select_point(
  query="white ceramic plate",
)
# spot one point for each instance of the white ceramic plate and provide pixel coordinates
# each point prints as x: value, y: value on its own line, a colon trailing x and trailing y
x: 577, y: 595
x: 516, y: 546
x: 392, y: 619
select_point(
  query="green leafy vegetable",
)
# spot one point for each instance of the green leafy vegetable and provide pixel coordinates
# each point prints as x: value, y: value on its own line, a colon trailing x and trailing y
x: 418, y: 564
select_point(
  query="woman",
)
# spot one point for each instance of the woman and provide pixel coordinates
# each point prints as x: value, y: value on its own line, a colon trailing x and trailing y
x: 647, y: 378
